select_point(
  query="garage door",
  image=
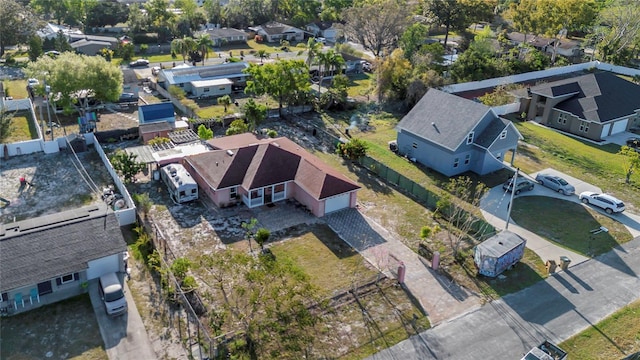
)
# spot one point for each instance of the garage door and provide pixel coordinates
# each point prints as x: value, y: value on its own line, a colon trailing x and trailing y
x: 336, y: 203
x: 102, y: 266
x: 619, y: 126
x: 605, y: 130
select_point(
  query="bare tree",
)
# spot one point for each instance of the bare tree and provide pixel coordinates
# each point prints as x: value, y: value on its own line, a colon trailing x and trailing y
x: 377, y: 26
x: 462, y: 194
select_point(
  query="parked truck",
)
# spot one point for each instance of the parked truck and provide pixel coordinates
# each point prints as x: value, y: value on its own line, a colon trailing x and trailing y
x: 499, y: 253
x: 546, y: 351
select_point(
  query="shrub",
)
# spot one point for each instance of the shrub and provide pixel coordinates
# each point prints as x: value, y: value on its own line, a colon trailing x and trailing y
x: 353, y: 150
x: 176, y: 92
x: 272, y: 133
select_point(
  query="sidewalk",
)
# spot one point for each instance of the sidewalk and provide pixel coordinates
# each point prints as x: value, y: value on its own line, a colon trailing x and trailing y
x: 555, y: 309
x: 441, y: 299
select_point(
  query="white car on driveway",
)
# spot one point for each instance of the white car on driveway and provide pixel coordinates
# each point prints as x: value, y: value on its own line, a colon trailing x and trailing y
x: 555, y: 183
x: 608, y: 203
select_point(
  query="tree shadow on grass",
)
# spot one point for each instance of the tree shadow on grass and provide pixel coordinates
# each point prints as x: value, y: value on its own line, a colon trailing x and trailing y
x: 369, y: 180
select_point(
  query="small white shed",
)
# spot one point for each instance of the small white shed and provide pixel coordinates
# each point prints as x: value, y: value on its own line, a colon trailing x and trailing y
x: 214, y: 87
x: 182, y: 187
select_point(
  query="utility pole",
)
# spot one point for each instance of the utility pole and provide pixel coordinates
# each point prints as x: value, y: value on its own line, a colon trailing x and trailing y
x: 513, y: 191
x: 47, y: 90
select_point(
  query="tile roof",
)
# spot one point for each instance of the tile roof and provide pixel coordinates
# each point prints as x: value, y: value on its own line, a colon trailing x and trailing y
x: 42, y: 248
x: 223, y: 33
x: 274, y: 28
x: 251, y: 162
x: 598, y: 97
x: 443, y: 118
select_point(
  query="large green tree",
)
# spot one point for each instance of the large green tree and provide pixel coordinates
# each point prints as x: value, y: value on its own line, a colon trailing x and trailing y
x: 449, y: 13
x: 377, y: 25
x: 137, y: 21
x: 107, y: 14
x: 413, y: 39
x: 17, y: 24
x: 285, y: 80
x: 618, y: 31
x: 74, y: 78
x: 266, y: 299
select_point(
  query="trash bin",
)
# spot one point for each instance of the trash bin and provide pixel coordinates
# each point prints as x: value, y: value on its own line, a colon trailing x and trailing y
x: 551, y: 266
x: 564, y: 262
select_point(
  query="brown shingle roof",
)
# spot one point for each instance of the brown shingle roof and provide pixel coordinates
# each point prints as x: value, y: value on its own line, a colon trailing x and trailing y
x: 256, y: 162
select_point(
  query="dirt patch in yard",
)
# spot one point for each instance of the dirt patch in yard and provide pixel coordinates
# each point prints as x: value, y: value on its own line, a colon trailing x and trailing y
x: 64, y: 330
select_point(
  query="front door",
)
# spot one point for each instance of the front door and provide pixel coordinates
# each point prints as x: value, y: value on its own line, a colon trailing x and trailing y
x: 268, y: 198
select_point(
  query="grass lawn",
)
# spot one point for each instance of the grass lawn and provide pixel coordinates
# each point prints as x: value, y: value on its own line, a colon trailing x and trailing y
x: 548, y: 218
x: 613, y: 338
x: 16, y: 88
x: 22, y: 129
x: 330, y: 262
x: 595, y: 164
x: 68, y: 329
x: 360, y: 85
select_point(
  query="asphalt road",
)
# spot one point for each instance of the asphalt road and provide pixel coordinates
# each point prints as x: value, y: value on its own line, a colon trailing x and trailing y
x: 555, y: 309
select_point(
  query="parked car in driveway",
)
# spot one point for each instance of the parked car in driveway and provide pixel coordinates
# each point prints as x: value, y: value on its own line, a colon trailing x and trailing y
x: 555, y: 183
x: 634, y: 142
x: 522, y: 184
x: 606, y: 202
x: 139, y: 63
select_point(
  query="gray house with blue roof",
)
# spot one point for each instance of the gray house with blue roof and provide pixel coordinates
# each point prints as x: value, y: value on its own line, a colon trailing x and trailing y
x: 208, y: 80
x: 453, y: 135
x: 593, y: 106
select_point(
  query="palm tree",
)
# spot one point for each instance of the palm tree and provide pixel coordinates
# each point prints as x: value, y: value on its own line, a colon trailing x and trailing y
x: 179, y: 46
x: 224, y: 101
x: 314, y: 48
x: 336, y: 62
x: 204, y: 44
x: 263, y: 54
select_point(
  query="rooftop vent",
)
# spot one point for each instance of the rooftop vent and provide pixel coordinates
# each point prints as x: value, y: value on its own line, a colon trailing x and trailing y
x: 229, y: 152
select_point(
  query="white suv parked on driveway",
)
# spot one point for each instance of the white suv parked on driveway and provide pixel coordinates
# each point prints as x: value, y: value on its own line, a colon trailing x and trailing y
x: 609, y: 203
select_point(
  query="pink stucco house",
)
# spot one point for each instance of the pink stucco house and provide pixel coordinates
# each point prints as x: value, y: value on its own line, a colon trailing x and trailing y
x: 259, y: 171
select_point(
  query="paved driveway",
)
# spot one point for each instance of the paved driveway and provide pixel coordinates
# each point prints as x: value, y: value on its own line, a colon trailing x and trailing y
x: 555, y: 309
x: 125, y: 337
x: 440, y: 298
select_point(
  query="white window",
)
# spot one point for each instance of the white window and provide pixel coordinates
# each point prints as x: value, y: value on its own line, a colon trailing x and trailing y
x: 503, y: 134
x: 456, y: 162
x: 562, y: 118
x: 467, y: 159
x: 470, y: 138
x: 66, y: 279
x: 205, y: 90
x: 233, y: 192
x: 584, y: 126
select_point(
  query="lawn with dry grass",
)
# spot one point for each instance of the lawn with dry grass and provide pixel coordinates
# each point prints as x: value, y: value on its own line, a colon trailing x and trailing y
x: 331, y: 264
x: 64, y: 330
x: 22, y: 128
x: 16, y: 89
x: 613, y: 338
